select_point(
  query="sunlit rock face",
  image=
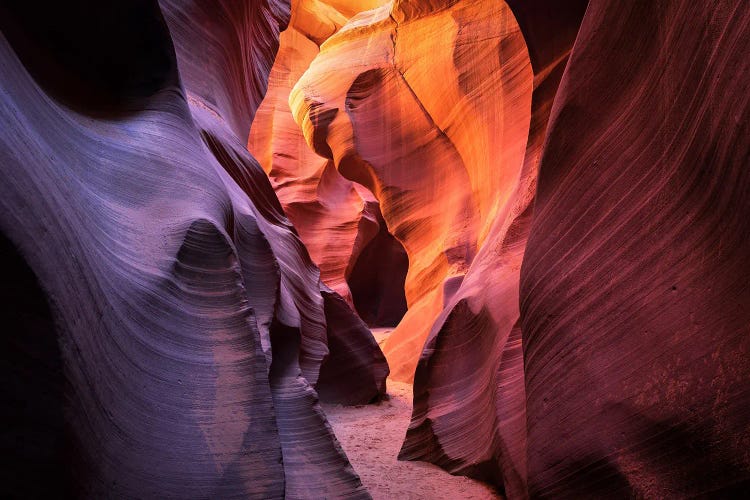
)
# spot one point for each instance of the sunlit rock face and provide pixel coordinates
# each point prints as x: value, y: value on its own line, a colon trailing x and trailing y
x: 185, y: 325
x: 469, y: 398
x: 335, y: 218
x: 634, y: 290
x: 428, y: 106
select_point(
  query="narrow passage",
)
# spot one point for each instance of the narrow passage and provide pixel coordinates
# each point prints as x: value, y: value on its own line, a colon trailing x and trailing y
x: 371, y: 436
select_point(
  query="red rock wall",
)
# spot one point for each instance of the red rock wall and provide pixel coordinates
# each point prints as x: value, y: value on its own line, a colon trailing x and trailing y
x: 634, y: 290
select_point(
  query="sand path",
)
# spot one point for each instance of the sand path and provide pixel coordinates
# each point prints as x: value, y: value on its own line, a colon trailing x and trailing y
x: 371, y: 436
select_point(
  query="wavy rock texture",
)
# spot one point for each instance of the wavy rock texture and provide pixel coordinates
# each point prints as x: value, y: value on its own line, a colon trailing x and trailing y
x: 634, y: 290
x: 469, y: 400
x: 442, y: 155
x: 335, y: 218
x: 189, y: 319
x: 289, y: 292
x: 574, y: 217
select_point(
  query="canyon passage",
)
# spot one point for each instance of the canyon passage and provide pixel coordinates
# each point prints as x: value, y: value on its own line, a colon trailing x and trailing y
x: 375, y: 249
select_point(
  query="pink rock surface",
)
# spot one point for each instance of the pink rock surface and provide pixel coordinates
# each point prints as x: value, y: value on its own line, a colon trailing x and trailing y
x: 634, y: 290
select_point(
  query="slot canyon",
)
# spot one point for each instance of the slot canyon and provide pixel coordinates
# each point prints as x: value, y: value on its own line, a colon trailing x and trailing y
x: 419, y: 249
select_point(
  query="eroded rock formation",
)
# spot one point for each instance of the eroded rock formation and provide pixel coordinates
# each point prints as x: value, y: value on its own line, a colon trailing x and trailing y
x: 191, y: 323
x: 335, y: 218
x: 428, y: 106
x: 361, y: 99
x: 571, y: 205
x: 298, y: 299
x: 634, y: 290
x: 479, y: 429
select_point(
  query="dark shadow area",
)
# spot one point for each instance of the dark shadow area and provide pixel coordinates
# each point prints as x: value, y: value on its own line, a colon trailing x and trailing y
x: 377, y: 280
x: 33, y: 440
x: 355, y: 370
x: 99, y: 58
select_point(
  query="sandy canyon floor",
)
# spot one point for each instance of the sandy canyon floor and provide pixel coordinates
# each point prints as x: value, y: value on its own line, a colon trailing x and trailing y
x: 371, y: 436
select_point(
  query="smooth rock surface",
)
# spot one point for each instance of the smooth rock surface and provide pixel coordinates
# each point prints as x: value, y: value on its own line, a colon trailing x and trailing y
x: 427, y: 106
x: 469, y: 397
x: 191, y: 323
x: 634, y: 290
x: 566, y: 184
x: 337, y: 219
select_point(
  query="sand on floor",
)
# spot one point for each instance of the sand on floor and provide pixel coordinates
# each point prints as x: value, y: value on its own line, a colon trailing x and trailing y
x: 371, y: 436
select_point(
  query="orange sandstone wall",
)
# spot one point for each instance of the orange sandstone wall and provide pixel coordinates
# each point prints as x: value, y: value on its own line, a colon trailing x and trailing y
x: 334, y: 217
x: 428, y: 106
x: 469, y: 392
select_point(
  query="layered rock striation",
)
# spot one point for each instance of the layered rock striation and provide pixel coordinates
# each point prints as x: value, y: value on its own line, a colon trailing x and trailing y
x: 337, y: 219
x: 634, y: 291
x: 469, y: 395
x: 427, y: 106
x: 565, y: 183
x: 191, y: 325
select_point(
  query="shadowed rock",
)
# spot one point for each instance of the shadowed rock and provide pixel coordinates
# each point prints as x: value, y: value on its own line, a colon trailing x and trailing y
x: 191, y: 323
x: 634, y: 297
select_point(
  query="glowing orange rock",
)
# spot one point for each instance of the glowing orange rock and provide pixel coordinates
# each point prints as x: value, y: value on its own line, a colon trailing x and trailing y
x: 469, y: 395
x: 428, y: 106
x: 335, y: 218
